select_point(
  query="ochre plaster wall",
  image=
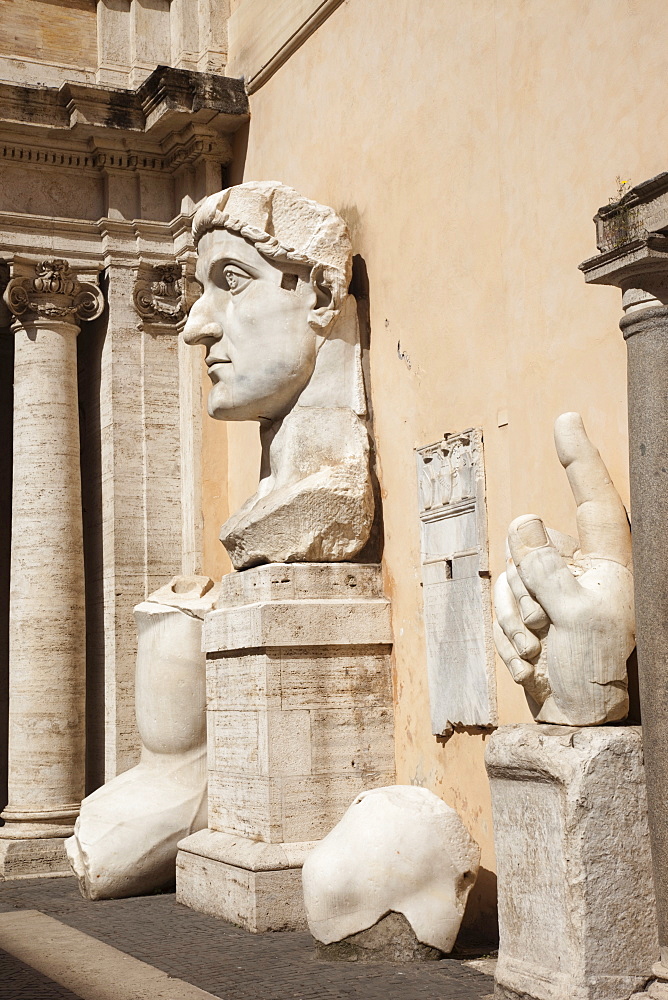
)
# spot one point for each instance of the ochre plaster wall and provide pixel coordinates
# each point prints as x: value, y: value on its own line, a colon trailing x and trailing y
x: 468, y: 146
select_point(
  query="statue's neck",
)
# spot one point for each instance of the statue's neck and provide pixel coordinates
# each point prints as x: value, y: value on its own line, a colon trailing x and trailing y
x: 314, y: 433
x: 315, y: 499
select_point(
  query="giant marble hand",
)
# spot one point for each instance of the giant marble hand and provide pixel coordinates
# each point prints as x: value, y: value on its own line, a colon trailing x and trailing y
x: 565, y: 620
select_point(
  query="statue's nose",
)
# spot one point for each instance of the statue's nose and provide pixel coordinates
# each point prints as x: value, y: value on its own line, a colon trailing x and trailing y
x: 202, y: 327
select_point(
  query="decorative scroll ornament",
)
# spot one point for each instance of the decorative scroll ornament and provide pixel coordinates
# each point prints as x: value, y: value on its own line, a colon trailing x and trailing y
x: 162, y: 294
x: 54, y: 292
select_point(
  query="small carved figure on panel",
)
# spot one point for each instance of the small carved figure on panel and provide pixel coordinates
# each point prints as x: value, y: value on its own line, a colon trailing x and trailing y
x: 565, y: 620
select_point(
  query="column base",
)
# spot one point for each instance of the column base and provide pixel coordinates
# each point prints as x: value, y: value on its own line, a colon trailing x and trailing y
x: 34, y: 858
x: 255, y: 885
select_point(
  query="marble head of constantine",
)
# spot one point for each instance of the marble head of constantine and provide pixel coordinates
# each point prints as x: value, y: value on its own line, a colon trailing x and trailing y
x: 282, y: 349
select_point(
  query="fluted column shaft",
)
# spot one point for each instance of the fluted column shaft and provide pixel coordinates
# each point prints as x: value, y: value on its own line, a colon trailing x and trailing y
x: 47, y: 667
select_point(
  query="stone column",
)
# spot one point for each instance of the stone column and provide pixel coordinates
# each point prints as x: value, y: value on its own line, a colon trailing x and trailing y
x: 47, y: 632
x: 635, y: 259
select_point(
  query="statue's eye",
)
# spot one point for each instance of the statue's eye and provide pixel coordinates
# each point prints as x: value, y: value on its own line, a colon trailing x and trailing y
x: 234, y: 278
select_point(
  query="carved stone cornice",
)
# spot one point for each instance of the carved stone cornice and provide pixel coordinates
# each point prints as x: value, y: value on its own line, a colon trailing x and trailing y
x: 164, y: 293
x: 167, y: 156
x: 173, y: 119
x: 51, y: 290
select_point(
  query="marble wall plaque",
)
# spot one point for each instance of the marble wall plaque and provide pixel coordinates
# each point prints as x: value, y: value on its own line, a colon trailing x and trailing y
x: 456, y: 583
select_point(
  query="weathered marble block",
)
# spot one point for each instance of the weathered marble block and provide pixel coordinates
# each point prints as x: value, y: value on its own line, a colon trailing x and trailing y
x: 577, y: 914
x: 300, y: 721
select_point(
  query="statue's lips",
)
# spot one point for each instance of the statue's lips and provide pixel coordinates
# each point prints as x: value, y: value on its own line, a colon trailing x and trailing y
x: 216, y: 365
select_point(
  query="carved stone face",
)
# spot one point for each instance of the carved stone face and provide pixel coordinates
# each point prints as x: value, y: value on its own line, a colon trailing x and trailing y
x: 253, y: 317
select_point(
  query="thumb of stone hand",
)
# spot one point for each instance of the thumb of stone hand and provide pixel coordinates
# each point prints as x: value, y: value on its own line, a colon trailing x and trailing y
x: 541, y: 568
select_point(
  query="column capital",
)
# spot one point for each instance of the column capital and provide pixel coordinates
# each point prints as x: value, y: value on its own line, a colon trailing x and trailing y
x: 632, y: 240
x: 50, y: 290
x: 163, y: 295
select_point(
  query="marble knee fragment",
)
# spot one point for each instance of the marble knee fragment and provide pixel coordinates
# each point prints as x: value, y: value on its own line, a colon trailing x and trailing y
x: 125, y: 838
x: 398, y: 849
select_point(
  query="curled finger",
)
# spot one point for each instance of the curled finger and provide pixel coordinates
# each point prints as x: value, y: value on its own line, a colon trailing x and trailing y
x: 532, y: 614
x: 520, y: 670
x: 526, y: 644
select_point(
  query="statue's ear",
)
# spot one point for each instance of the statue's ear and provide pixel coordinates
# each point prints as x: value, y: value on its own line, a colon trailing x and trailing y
x: 324, y: 311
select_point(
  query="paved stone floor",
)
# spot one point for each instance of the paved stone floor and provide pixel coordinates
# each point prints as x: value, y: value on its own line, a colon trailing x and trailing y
x: 218, y: 957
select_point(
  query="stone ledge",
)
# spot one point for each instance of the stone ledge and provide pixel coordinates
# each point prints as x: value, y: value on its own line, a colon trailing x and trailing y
x: 296, y: 581
x: 163, y: 94
x: 251, y: 855
x: 298, y: 623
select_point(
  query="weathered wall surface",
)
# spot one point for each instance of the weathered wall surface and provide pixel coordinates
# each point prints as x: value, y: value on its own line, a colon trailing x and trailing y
x: 468, y: 148
x: 34, y: 32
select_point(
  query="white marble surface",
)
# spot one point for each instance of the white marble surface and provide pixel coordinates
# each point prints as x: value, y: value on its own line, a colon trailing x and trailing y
x: 283, y: 349
x: 398, y: 848
x: 125, y: 838
x: 456, y: 586
x: 565, y: 617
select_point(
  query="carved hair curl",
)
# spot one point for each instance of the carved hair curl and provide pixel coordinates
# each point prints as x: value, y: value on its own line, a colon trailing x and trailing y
x: 209, y: 217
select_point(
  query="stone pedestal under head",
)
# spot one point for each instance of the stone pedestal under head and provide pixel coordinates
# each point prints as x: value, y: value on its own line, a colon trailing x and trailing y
x: 565, y: 617
x: 397, y: 850
x: 125, y: 838
x: 300, y: 721
x: 577, y: 915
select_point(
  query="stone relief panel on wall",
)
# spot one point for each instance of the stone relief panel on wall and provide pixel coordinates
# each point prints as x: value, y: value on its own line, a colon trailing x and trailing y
x: 455, y: 579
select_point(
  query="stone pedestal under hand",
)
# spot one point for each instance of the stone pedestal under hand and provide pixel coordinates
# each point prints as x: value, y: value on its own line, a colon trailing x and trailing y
x: 577, y: 916
x: 47, y: 667
x: 300, y: 721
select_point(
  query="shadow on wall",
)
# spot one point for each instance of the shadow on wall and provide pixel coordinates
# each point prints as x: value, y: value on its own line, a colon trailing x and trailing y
x: 6, y: 418
x: 634, y: 692
x: 479, y: 932
x: 359, y: 289
x: 233, y: 173
x: 89, y: 359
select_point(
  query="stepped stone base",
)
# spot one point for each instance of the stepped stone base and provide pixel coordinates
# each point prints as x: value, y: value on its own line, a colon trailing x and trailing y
x: 257, y: 886
x: 33, y: 858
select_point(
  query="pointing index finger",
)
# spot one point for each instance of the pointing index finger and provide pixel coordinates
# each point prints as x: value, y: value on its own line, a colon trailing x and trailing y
x: 602, y: 523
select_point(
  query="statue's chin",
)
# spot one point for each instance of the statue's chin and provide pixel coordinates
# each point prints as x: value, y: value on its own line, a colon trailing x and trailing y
x: 263, y: 408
